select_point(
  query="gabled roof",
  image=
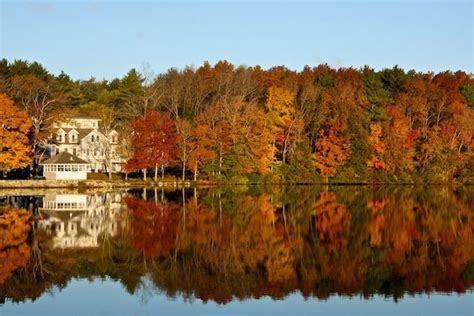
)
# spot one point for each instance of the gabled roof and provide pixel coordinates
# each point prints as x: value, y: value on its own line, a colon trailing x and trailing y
x: 63, y: 159
x: 82, y: 133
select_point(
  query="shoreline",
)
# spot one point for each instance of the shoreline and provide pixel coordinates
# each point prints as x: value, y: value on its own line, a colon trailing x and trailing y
x: 122, y: 184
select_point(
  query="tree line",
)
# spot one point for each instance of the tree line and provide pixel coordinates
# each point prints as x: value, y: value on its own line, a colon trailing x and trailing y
x: 239, y: 123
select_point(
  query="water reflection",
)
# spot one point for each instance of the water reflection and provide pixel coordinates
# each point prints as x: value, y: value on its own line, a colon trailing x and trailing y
x: 77, y: 220
x: 237, y: 243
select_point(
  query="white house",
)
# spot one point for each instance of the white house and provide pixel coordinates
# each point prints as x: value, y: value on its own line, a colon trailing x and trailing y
x: 84, y: 138
x: 65, y: 166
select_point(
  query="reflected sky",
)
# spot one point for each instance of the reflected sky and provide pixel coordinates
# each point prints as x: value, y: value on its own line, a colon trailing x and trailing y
x: 107, y: 297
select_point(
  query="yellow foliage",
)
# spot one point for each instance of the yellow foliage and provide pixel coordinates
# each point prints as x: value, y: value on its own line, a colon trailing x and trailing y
x: 280, y: 106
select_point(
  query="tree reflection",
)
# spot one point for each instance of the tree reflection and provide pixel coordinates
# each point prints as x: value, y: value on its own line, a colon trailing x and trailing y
x: 14, y: 251
x: 221, y: 244
x: 154, y: 227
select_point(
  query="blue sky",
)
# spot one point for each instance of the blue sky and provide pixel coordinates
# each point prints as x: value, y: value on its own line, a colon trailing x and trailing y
x: 105, y: 39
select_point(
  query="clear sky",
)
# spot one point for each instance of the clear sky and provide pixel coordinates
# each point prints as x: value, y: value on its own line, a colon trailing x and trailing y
x: 105, y: 39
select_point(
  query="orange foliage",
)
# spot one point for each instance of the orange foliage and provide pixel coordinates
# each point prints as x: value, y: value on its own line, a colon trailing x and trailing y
x: 14, y: 252
x: 12, y: 259
x: 15, y: 126
x: 376, y: 225
x: 332, y: 149
x: 378, y: 146
x: 332, y: 220
x: 14, y: 227
x: 200, y: 148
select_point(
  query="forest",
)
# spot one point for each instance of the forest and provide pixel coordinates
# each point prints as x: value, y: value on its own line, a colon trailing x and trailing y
x: 246, y: 124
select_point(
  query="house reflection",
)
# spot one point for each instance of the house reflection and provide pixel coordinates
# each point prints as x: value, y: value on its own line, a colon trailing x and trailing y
x: 78, y: 220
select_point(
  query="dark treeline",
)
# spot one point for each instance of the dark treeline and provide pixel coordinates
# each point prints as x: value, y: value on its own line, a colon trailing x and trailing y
x: 250, y: 124
x: 223, y: 244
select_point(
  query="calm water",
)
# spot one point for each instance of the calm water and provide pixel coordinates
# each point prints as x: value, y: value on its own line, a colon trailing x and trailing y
x: 351, y: 250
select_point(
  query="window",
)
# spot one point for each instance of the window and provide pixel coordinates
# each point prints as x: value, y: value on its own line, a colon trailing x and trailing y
x: 92, y: 138
x: 60, y: 168
x: 57, y: 151
x: 74, y: 151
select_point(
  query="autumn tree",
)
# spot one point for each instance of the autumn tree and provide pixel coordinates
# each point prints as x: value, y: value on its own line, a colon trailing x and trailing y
x: 281, y: 115
x: 37, y: 96
x: 375, y: 139
x: 15, y: 129
x: 154, y: 142
x: 200, y: 148
x: 332, y: 149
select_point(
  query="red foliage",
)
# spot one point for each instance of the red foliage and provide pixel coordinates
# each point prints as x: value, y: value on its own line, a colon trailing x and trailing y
x: 154, y: 226
x: 154, y: 142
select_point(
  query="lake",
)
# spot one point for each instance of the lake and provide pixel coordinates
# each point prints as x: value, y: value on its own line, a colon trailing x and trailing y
x: 239, y: 250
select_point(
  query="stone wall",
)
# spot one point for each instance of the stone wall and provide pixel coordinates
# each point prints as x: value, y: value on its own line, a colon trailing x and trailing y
x: 106, y: 184
x: 61, y: 183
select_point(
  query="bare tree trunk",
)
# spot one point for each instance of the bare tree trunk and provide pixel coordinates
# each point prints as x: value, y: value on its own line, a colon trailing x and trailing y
x: 144, y: 174
x: 220, y: 160
x: 162, y: 173
x: 156, y: 172
x: 285, y: 147
x: 184, y: 162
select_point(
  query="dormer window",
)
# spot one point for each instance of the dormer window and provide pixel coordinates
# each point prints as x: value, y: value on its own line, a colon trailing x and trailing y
x: 92, y: 138
x: 61, y: 138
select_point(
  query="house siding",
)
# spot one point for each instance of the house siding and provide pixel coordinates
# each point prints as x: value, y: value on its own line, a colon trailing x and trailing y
x: 88, y: 143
